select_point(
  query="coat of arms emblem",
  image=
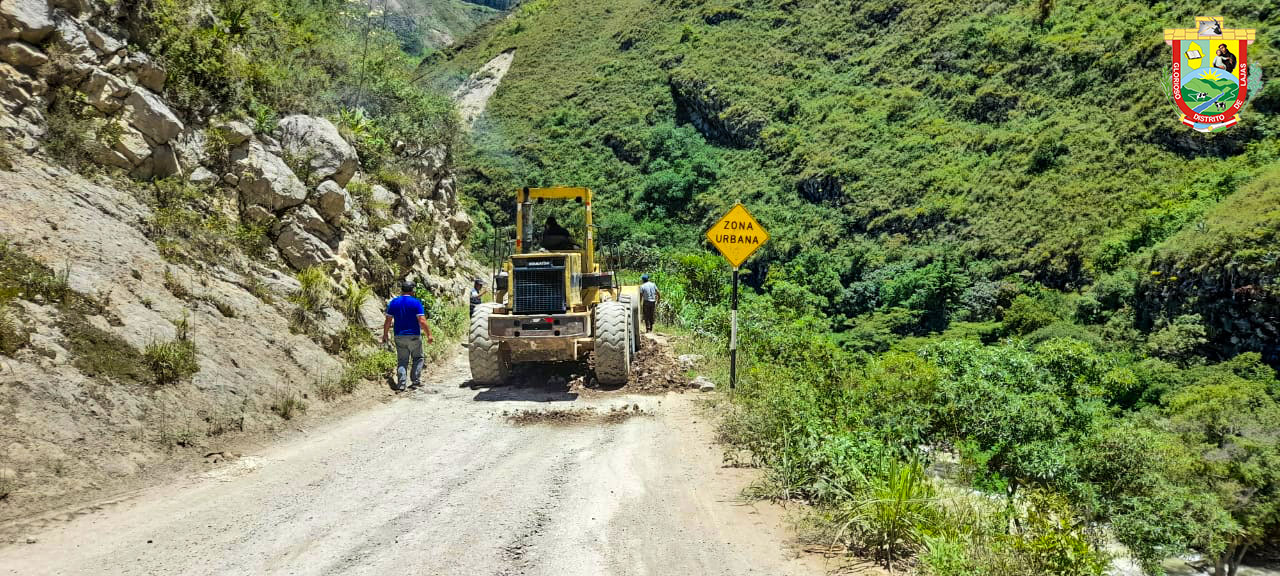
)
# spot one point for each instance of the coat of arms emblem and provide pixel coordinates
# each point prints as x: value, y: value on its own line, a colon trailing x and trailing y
x: 1210, y: 80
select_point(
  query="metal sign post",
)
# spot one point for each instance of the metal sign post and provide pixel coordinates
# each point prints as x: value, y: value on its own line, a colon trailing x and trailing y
x: 736, y: 236
x: 733, y: 334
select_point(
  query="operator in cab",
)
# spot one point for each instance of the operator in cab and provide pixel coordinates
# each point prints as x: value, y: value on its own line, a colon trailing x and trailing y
x: 556, y: 237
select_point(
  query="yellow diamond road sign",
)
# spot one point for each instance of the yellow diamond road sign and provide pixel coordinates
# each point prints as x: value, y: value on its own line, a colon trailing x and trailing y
x: 737, y: 235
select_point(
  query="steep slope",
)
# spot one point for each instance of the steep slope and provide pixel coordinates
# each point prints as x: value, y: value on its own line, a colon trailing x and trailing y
x: 872, y: 138
x: 190, y: 250
x: 423, y: 25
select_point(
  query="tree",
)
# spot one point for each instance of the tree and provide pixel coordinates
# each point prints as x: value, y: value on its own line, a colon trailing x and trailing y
x: 1179, y: 340
x: 1230, y: 423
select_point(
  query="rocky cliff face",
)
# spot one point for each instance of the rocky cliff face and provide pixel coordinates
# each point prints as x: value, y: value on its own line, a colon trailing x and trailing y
x: 296, y: 186
x: 496, y: 4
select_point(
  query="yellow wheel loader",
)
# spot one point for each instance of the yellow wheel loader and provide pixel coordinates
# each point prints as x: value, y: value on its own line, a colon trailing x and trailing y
x: 552, y: 303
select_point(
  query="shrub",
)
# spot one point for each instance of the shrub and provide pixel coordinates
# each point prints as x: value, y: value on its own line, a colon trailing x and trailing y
x: 71, y: 130
x: 1026, y: 315
x: 366, y: 364
x: 329, y: 389
x: 6, y: 158
x: 286, y: 405
x: 354, y: 295
x: 175, y: 286
x: 1179, y: 340
x: 12, y: 336
x: 174, y: 361
x: 889, y: 518
x: 314, y: 294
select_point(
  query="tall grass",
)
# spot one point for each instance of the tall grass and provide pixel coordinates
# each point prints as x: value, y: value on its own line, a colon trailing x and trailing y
x: 173, y: 361
x: 314, y: 294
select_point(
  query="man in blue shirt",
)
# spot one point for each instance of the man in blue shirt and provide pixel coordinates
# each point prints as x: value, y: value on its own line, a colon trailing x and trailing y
x: 410, y: 321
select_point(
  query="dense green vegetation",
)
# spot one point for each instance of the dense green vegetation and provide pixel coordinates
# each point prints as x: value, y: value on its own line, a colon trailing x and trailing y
x: 262, y: 60
x: 943, y: 146
x: 991, y: 238
x: 1077, y: 438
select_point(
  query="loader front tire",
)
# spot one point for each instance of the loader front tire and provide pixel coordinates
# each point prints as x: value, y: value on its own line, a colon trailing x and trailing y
x: 488, y: 367
x: 613, y: 343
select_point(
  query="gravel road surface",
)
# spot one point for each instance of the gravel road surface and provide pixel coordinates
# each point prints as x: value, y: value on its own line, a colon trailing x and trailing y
x: 444, y: 481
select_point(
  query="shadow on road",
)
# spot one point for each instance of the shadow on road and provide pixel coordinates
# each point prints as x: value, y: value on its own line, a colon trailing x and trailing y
x: 533, y: 383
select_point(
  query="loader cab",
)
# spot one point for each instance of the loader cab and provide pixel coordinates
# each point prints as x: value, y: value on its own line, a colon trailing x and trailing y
x: 546, y: 206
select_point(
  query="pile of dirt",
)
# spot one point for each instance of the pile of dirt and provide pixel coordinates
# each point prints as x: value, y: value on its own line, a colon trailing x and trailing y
x: 656, y: 370
x: 574, y: 416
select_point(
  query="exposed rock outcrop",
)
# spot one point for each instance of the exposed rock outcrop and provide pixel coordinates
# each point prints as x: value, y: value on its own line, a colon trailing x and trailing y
x: 699, y: 103
x: 315, y: 142
x: 473, y: 95
x: 265, y: 180
x: 30, y: 20
x: 329, y: 215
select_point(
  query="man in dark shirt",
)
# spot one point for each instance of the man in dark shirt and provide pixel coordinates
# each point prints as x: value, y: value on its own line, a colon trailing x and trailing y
x: 649, y: 298
x: 408, y: 317
x: 556, y: 237
x: 476, y: 296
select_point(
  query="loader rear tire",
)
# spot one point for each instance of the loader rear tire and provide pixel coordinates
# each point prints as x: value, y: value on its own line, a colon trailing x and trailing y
x: 613, y: 343
x: 488, y: 367
x: 634, y: 313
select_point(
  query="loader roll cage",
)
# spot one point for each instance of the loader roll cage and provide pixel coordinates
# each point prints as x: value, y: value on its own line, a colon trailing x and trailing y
x: 525, y: 198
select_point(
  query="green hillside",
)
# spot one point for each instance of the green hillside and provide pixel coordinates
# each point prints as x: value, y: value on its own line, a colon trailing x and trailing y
x: 423, y: 25
x: 871, y: 139
x: 990, y: 232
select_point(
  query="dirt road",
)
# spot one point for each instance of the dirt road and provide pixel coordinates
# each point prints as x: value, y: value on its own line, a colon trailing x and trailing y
x: 444, y: 482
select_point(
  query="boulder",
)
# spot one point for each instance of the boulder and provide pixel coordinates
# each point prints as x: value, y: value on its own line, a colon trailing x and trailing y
x: 108, y: 157
x: 460, y: 223
x: 144, y: 170
x: 69, y: 38
x: 201, y: 176
x: 372, y: 312
x: 234, y: 132
x: 332, y: 201
x: 310, y: 221
x: 22, y: 55
x: 192, y: 146
x: 16, y: 87
x: 331, y: 327
x: 318, y: 143
x: 151, y: 116
x: 133, y: 146
x: 689, y: 361
x: 104, y: 91
x: 145, y: 72
x: 302, y: 250
x: 271, y: 145
x: 165, y: 162
x: 30, y: 20
x: 265, y: 180
x: 395, y: 233
x: 702, y: 383
x: 105, y: 45
x: 73, y: 7
x: 257, y: 216
x: 380, y: 194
